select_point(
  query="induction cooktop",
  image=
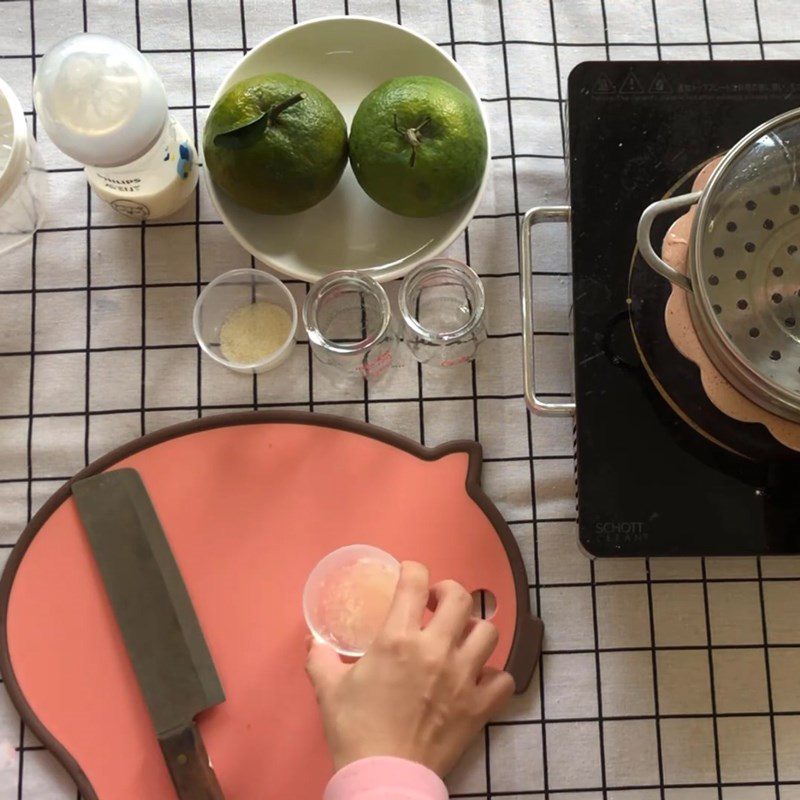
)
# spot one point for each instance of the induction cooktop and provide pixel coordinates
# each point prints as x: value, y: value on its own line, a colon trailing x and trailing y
x: 652, y: 477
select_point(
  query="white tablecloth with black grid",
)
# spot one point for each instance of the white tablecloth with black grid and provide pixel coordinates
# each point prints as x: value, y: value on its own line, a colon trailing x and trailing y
x: 677, y: 679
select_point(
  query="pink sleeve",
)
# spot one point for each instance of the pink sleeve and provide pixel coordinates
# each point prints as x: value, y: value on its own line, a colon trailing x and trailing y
x: 385, y: 779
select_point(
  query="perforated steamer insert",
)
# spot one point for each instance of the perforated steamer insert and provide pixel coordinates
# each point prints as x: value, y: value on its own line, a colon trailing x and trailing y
x: 744, y: 264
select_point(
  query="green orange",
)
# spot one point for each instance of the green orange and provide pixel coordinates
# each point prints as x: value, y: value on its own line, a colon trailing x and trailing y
x: 276, y: 144
x: 418, y: 146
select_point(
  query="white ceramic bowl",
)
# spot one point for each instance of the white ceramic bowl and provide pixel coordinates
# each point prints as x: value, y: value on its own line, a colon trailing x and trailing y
x: 346, y: 57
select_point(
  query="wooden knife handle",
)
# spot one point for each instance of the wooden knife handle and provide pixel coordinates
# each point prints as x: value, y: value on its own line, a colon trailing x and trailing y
x: 189, y: 765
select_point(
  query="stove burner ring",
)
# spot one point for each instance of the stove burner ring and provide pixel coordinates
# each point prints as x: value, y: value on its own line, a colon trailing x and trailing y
x: 620, y: 319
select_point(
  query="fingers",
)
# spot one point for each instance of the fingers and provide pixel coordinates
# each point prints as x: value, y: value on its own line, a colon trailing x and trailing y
x: 495, y: 688
x: 410, y: 598
x: 479, y: 644
x: 453, y: 608
x: 324, y: 667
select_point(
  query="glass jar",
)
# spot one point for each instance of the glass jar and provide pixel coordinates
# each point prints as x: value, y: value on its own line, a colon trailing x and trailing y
x: 23, y: 179
x: 349, y: 322
x: 444, y: 312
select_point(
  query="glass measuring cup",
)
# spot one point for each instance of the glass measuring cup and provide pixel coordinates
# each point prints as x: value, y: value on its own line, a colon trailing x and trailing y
x: 23, y: 180
x: 349, y: 322
x: 443, y: 305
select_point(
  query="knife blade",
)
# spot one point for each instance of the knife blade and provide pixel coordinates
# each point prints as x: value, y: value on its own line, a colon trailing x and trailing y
x: 152, y: 607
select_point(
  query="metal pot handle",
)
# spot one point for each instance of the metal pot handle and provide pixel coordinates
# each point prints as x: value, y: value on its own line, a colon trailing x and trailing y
x: 645, y: 244
x: 531, y: 218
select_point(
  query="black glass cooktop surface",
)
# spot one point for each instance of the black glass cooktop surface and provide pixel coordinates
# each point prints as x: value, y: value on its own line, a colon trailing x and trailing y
x: 653, y: 478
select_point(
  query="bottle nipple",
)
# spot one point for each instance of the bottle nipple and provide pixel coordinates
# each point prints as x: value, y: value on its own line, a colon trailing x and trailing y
x: 99, y: 100
x: 94, y: 95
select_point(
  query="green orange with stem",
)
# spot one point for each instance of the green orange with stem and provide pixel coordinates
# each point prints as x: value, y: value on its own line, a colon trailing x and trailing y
x: 276, y: 144
x: 418, y: 146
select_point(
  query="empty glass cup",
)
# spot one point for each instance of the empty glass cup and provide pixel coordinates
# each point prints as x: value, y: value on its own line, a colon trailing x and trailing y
x: 23, y: 179
x: 349, y: 322
x: 444, y: 312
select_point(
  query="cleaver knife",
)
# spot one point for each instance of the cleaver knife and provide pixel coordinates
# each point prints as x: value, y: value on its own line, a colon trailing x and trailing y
x: 155, y: 614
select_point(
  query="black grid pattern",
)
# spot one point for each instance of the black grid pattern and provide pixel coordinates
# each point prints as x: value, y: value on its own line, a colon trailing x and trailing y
x: 673, y: 679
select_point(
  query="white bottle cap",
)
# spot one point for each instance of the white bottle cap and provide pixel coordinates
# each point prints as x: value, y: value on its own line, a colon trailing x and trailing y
x: 99, y: 100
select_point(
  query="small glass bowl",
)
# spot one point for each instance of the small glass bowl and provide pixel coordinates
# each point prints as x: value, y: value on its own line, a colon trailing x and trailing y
x: 347, y: 596
x: 231, y: 291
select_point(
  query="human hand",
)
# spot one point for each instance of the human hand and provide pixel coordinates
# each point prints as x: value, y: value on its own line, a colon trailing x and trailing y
x: 419, y: 693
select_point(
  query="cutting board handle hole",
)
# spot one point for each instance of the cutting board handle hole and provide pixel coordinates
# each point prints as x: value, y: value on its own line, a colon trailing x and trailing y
x: 484, y: 603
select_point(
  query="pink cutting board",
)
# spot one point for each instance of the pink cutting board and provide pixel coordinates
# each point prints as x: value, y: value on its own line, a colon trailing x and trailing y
x: 249, y: 503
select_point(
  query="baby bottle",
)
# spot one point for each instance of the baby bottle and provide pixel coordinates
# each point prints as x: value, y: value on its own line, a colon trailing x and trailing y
x: 103, y: 104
